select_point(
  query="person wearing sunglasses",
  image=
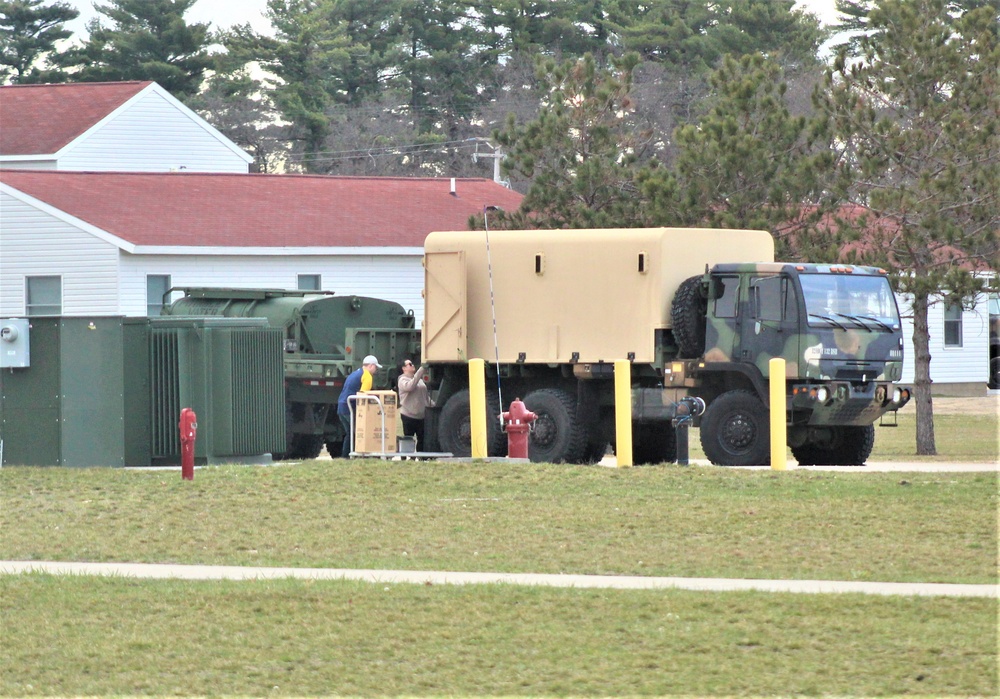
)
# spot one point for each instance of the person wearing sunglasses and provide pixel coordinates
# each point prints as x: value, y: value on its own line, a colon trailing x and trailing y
x: 413, y: 399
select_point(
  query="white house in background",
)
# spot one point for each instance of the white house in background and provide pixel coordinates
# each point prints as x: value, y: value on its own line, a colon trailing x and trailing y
x: 133, y: 126
x: 88, y: 243
x: 959, y: 346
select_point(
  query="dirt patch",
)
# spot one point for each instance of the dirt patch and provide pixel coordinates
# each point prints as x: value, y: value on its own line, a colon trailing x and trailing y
x: 946, y: 405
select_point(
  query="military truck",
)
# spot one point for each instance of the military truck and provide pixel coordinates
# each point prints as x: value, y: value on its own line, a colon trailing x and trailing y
x: 325, y: 338
x: 696, y: 312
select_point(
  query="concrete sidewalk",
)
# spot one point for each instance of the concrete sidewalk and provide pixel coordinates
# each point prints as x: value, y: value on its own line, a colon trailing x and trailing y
x: 421, y: 577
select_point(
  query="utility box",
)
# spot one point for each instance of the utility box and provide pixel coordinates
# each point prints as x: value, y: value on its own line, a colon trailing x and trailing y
x: 14, y: 345
x: 230, y: 372
x: 67, y: 408
x: 372, y: 434
x: 108, y: 391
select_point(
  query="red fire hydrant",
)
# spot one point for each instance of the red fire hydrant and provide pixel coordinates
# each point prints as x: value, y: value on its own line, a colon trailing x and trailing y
x: 189, y: 431
x: 517, y: 424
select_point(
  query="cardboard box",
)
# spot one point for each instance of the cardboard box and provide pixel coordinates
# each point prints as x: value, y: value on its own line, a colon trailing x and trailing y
x: 368, y: 425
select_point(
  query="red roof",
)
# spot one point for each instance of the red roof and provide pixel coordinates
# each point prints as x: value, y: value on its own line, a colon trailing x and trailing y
x: 240, y: 210
x: 42, y: 119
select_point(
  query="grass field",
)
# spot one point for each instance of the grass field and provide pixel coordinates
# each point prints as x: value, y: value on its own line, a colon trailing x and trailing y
x: 113, y: 636
x: 92, y: 636
x: 669, y: 520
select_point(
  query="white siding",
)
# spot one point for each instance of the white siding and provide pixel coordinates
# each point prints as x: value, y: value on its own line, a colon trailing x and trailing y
x: 152, y: 134
x: 398, y: 278
x: 33, y: 242
x: 966, y: 364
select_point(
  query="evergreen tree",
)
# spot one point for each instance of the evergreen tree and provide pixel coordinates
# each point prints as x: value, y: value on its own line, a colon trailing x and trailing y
x: 144, y: 40
x: 748, y: 163
x: 29, y: 31
x: 578, y: 153
x: 918, y: 117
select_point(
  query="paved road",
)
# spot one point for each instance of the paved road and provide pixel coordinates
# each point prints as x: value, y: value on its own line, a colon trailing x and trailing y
x: 420, y: 577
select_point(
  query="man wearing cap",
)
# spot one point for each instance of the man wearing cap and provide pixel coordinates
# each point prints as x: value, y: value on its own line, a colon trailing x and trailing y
x: 358, y: 380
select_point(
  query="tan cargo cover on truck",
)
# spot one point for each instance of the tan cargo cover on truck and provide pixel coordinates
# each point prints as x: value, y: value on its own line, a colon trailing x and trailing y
x: 598, y: 293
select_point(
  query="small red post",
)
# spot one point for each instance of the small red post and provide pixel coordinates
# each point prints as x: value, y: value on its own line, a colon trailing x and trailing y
x: 189, y: 431
x: 517, y: 424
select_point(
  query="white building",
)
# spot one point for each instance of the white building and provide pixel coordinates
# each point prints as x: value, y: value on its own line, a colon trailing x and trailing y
x: 87, y: 243
x: 134, y: 126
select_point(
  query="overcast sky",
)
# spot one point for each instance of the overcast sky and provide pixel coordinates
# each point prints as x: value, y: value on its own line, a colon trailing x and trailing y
x: 225, y: 13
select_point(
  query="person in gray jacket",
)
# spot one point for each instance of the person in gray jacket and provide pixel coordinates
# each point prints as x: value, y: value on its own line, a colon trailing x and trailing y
x: 413, y: 399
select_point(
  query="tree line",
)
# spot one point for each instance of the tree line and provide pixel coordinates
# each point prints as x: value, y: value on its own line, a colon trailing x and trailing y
x: 609, y: 112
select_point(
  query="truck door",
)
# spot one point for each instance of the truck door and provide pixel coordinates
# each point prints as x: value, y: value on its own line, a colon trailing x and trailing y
x: 722, y: 332
x: 445, y: 330
x: 771, y: 330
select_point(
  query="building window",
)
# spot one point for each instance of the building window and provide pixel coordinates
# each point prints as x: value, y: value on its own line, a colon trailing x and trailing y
x: 310, y: 282
x: 156, y: 287
x: 952, y: 325
x: 43, y: 296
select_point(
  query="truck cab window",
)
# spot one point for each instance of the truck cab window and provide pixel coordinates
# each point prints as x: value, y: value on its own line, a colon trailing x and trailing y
x: 769, y: 296
x: 727, y: 296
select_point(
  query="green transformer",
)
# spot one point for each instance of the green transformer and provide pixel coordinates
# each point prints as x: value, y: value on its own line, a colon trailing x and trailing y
x: 325, y: 338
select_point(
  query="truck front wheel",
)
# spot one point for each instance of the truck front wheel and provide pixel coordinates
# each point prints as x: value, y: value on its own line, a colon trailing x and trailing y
x: 734, y: 431
x: 840, y: 446
x: 557, y: 436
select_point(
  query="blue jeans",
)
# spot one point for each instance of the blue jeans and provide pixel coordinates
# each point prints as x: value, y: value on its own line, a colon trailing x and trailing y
x: 345, y: 420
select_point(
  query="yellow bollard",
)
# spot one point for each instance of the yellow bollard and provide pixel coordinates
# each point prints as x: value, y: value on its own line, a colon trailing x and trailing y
x: 779, y: 429
x: 477, y: 407
x: 623, y: 412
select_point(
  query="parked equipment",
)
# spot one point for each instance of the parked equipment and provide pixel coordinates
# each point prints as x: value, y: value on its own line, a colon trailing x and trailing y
x: 697, y: 312
x: 325, y: 338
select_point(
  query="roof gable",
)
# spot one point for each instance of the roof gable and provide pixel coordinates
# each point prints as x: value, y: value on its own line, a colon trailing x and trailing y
x: 262, y: 211
x: 43, y: 119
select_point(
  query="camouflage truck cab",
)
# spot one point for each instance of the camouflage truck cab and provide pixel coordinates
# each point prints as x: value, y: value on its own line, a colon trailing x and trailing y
x: 836, y: 326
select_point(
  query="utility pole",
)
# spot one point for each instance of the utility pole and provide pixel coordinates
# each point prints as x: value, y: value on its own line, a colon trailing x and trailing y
x: 497, y: 155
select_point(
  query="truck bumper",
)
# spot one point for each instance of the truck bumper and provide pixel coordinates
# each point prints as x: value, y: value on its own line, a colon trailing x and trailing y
x: 844, y: 403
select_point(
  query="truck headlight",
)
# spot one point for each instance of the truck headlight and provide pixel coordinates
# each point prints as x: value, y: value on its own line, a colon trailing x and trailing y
x: 897, y: 394
x: 822, y: 394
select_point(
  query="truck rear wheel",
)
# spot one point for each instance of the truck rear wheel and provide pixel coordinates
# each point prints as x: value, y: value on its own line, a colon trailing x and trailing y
x: 687, y: 314
x: 557, y: 436
x: 455, y: 426
x: 734, y: 430
x: 844, y: 446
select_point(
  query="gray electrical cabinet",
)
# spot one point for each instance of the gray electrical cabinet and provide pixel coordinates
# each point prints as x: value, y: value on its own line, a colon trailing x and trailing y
x: 14, y: 343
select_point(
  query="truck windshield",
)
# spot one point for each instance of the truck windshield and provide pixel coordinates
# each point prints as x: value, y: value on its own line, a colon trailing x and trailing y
x: 849, y: 301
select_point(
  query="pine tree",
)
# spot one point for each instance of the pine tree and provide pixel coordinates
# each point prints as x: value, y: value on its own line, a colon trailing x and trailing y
x: 918, y: 117
x: 29, y: 31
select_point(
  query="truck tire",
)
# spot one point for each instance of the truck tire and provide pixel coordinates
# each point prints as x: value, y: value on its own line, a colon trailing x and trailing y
x: 305, y: 446
x: 994, y: 381
x: 455, y: 427
x: 335, y: 449
x: 735, y: 430
x: 556, y: 436
x: 653, y: 443
x: 687, y: 314
x: 848, y: 446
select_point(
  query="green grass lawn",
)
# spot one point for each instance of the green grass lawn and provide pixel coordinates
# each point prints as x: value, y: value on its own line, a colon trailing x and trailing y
x: 666, y: 520
x: 98, y: 637
x: 113, y: 636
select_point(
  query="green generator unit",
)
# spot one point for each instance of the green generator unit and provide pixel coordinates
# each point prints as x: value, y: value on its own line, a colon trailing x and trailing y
x: 108, y: 390
x: 325, y: 338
